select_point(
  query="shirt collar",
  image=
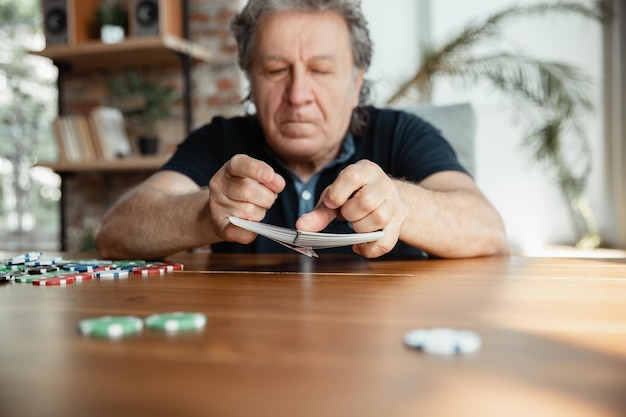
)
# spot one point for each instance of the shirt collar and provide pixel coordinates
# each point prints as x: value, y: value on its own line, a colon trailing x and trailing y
x: 345, y: 153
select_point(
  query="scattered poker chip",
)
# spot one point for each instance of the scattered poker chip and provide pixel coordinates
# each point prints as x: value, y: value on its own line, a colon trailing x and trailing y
x: 81, y: 267
x: 131, y: 262
x: 112, y: 327
x: 79, y: 276
x: 171, y: 267
x: 44, y: 261
x: 443, y: 341
x: 102, y: 268
x: 27, y: 257
x: 58, y: 280
x: 176, y: 321
x: 129, y: 268
x: 12, y: 268
x: 4, y: 277
x: 149, y: 270
x: 38, y: 270
x: 28, y: 278
x: 112, y: 274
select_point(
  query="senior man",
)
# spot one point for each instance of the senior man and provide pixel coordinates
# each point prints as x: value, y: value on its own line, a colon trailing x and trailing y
x: 313, y: 156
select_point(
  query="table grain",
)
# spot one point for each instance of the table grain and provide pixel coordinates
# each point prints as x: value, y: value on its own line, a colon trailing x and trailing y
x: 292, y: 336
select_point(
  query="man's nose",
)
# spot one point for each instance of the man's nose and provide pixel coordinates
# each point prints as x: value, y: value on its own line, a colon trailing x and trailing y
x: 299, y: 90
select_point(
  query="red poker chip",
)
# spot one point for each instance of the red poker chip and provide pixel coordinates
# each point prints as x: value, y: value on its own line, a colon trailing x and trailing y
x: 60, y: 280
x: 171, y: 266
x: 149, y: 270
x: 80, y: 276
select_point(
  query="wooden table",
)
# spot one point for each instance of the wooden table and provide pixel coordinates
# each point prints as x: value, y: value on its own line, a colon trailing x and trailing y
x: 292, y: 336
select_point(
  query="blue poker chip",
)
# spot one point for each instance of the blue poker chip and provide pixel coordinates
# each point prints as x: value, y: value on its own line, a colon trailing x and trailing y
x: 443, y: 341
x: 81, y: 267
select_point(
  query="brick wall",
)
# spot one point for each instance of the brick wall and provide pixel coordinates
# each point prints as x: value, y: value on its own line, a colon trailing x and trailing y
x: 216, y: 89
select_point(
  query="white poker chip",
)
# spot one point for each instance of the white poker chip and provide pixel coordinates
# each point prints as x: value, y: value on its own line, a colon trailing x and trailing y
x: 112, y: 274
x: 443, y: 341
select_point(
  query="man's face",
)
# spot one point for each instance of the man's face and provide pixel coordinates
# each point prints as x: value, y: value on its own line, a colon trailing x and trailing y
x: 304, y: 85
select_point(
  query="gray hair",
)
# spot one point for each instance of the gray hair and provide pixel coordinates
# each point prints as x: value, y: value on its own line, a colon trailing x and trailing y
x: 244, y: 25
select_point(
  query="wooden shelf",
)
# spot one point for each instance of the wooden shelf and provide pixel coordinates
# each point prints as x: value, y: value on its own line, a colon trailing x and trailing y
x: 134, y: 51
x: 145, y: 163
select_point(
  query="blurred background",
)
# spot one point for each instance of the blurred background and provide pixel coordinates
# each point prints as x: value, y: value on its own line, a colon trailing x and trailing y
x: 581, y: 49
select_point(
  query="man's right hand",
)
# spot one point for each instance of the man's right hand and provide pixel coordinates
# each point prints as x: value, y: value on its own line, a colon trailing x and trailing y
x: 244, y: 187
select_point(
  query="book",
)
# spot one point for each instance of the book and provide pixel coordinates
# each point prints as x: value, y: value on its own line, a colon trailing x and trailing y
x: 109, y: 128
x: 305, y: 242
x: 74, y: 138
x: 58, y: 134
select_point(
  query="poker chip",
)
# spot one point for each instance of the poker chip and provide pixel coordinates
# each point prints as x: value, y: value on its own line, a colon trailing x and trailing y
x: 171, y: 267
x: 112, y: 274
x: 26, y: 279
x: 81, y: 267
x: 443, y: 341
x: 27, y: 257
x: 131, y: 262
x: 58, y: 280
x: 149, y: 270
x: 112, y: 327
x: 4, y: 277
x: 12, y: 268
x: 176, y: 321
x: 80, y: 276
x: 38, y: 270
x: 44, y: 261
x: 29, y: 278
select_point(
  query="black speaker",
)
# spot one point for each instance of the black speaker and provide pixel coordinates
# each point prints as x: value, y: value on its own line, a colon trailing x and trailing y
x: 55, y: 22
x: 155, y: 17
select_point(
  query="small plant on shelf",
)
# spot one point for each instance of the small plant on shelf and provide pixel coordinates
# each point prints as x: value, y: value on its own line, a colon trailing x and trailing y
x: 112, y: 20
x: 144, y: 103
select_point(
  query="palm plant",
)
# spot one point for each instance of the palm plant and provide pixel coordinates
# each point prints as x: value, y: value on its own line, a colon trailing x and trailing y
x: 552, y: 96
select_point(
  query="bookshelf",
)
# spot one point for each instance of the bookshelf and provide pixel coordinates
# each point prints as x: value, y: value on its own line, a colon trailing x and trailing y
x: 132, y: 52
x: 121, y: 165
x: 84, y: 54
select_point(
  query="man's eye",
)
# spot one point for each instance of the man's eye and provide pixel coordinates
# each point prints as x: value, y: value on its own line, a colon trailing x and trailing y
x: 276, y: 71
x: 320, y: 71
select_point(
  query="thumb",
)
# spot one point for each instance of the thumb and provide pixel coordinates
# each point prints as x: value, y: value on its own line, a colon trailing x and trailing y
x: 317, y: 219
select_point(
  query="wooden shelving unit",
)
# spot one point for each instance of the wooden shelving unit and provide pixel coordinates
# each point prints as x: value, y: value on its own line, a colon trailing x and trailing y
x: 83, y: 55
x: 132, y: 164
x: 132, y: 52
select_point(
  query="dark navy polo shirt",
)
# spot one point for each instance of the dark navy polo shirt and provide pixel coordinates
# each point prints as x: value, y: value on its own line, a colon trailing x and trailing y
x: 402, y: 144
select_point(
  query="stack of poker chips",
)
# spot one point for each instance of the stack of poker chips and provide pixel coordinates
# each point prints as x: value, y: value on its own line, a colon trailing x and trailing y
x: 37, y: 269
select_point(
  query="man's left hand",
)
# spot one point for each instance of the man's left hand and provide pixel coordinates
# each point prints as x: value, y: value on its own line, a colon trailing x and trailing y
x: 366, y: 196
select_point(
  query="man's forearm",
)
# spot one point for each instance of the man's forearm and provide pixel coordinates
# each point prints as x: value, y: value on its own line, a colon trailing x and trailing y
x: 451, y: 224
x: 154, y: 223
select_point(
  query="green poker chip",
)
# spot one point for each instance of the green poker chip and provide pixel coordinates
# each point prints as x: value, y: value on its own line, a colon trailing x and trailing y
x: 111, y: 327
x: 176, y: 321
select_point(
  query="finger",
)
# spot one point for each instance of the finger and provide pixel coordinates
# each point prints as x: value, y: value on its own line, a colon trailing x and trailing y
x: 317, y: 219
x: 372, y: 219
x: 379, y: 247
x: 244, y: 166
x: 348, y: 182
x: 362, y: 204
x: 234, y: 233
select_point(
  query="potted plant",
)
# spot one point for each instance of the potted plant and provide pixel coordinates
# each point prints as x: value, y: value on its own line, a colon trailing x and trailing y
x: 144, y: 103
x: 112, y: 19
x: 552, y: 97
